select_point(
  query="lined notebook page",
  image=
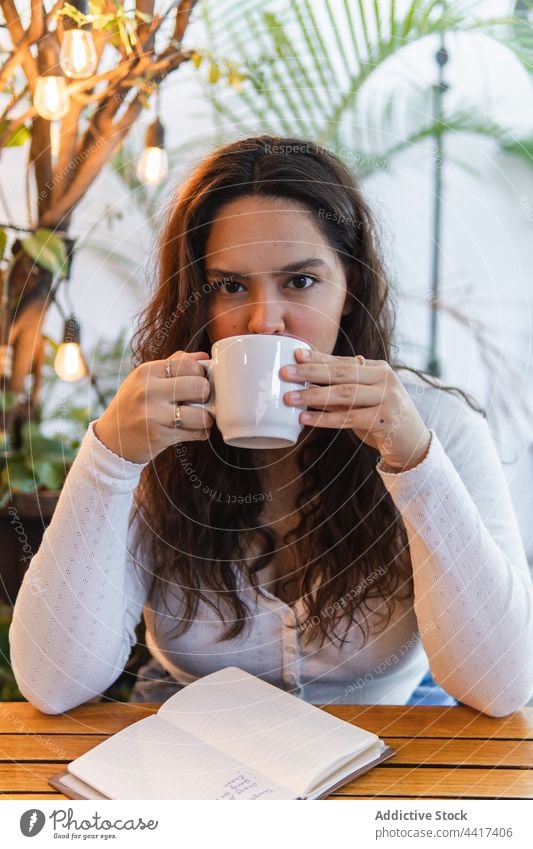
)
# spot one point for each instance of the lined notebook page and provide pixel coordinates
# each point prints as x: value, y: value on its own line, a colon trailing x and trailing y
x: 153, y: 759
x: 273, y: 732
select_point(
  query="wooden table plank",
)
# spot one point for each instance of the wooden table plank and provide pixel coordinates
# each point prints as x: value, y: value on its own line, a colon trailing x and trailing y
x: 336, y: 798
x: 429, y: 751
x: 21, y: 796
x: 105, y: 718
x: 386, y: 720
x: 460, y: 783
x: 420, y: 721
x: 461, y: 752
x: 46, y: 747
x: 382, y: 781
x: 27, y: 777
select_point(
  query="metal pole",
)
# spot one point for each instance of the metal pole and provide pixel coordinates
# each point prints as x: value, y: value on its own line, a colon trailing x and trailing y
x: 433, y: 366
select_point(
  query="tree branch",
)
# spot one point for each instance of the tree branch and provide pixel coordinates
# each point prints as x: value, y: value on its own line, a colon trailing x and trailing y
x: 183, y: 14
x: 37, y: 27
x: 19, y: 39
x: 42, y: 162
x: 66, y: 161
x: 101, y: 152
x: 114, y: 97
x: 144, y: 30
x: 51, y: 14
x: 162, y: 67
x: 12, y: 103
x: 8, y: 68
x: 12, y: 19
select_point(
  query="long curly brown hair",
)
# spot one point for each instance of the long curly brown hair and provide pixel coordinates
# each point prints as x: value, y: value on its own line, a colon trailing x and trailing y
x: 350, y: 536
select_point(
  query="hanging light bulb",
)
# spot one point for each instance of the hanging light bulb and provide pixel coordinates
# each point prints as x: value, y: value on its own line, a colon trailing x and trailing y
x: 78, y: 57
x: 51, y: 99
x: 69, y: 363
x: 153, y: 162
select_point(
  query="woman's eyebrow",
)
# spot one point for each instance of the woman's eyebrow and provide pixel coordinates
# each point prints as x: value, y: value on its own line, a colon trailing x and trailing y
x: 310, y: 262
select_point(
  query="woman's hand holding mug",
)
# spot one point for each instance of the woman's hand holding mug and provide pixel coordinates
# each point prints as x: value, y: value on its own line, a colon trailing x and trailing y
x: 139, y: 422
x: 364, y: 395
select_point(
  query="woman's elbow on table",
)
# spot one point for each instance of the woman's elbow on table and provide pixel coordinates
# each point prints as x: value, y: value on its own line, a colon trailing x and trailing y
x: 499, y: 692
x: 53, y: 703
x: 506, y: 706
x: 503, y: 704
x: 46, y: 692
x: 47, y: 707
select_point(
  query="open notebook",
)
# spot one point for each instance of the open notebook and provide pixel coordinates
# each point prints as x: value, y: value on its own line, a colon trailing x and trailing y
x: 228, y: 735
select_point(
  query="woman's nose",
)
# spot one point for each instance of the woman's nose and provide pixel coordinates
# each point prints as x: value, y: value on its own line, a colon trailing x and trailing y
x: 266, y: 316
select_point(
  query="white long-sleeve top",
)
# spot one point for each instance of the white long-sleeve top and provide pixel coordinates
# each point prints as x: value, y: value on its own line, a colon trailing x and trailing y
x: 471, y: 615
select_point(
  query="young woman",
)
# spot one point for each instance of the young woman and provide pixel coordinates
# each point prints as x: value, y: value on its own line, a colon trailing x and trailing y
x: 380, y: 545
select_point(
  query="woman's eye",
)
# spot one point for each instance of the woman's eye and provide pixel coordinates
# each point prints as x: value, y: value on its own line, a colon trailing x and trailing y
x: 302, y: 277
x: 231, y: 287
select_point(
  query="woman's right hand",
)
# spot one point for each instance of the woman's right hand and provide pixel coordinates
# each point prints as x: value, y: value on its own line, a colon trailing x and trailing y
x: 139, y: 422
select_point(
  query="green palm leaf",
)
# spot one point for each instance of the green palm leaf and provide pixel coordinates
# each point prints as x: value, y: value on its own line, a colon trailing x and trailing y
x: 313, y: 62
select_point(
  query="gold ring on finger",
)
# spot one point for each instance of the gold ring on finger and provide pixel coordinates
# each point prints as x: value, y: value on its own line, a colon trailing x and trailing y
x: 178, y: 421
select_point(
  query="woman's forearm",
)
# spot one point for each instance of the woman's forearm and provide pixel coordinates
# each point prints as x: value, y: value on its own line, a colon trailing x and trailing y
x: 471, y: 579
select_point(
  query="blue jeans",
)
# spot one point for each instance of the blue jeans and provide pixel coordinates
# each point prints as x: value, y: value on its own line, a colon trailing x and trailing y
x: 155, y: 684
x: 429, y: 693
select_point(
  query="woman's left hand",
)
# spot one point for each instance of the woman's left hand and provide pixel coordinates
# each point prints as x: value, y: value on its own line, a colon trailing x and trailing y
x: 369, y: 398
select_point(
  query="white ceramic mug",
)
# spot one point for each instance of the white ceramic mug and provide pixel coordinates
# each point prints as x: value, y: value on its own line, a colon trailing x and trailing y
x: 246, y: 397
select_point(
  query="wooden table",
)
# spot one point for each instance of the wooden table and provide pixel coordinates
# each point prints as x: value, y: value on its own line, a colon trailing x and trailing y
x: 452, y: 753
